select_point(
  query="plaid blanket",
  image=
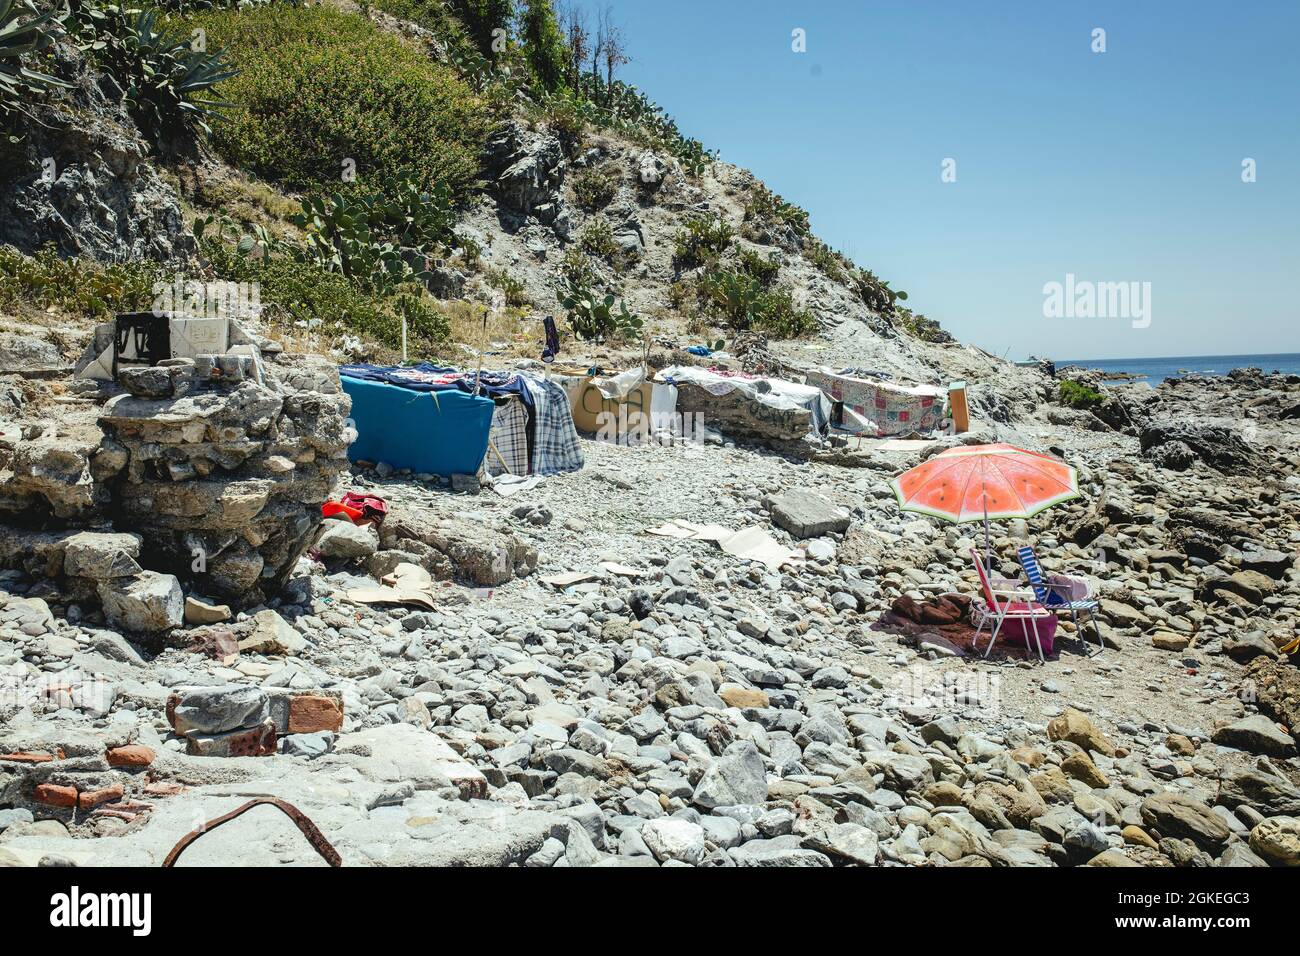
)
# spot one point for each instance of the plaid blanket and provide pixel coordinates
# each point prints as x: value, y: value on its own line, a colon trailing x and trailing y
x: 509, y: 438
x: 555, y: 440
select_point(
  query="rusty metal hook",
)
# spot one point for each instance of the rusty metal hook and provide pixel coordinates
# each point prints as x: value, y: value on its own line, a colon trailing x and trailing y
x: 309, y: 830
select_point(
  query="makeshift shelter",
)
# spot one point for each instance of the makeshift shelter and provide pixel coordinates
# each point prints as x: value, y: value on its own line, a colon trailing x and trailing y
x: 749, y: 406
x: 444, y: 418
x: 872, y: 407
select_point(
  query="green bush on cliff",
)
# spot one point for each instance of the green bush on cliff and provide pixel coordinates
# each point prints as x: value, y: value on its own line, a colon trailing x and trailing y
x: 295, y: 293
x: 321, y: 92
x: 1078, y: 395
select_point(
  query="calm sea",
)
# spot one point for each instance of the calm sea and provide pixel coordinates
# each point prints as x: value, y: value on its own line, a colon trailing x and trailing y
x: 1156, y: 370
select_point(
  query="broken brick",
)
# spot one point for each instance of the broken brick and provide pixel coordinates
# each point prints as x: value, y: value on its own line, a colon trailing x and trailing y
x: 27, y: 757
x: 131, y: 755
x: 54, y: 795
x: 163, y: 789
x: 93, y: 798
x: 311, y: 713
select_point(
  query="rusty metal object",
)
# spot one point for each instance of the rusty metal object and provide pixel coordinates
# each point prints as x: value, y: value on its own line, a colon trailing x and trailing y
x: 309, y: 830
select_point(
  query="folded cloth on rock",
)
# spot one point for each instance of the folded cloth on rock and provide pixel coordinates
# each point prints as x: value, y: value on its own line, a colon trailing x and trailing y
x: 359, y: 509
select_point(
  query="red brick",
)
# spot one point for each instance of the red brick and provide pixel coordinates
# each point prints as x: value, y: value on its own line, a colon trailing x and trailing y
x: 310, y: 713
x: 132, y: 755
x: 27, y: 757
x: 53, y: 795
x: 93, y: 798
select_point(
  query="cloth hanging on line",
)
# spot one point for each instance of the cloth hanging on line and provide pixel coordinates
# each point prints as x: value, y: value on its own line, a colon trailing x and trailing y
x: 556, y: 447
x: 508, y: 440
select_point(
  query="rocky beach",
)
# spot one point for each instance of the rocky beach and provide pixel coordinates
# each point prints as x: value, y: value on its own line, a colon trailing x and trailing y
x: 667, y: 704
x: 579, y: 671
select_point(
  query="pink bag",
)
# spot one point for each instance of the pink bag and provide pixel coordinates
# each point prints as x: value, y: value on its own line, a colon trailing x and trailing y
x: 1014, y: 630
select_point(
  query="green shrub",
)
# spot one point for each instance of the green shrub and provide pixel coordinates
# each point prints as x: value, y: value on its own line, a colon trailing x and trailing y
x: 702, y: 240
x: 576, y: 267
x: 758, y: 266
x: 82, y: 286
x: 595, y: 188
x: 1078, y: 395
x: 543, y: 43
x: 597, y: 239
x: 827, y: 260
x: 592, y: 317
x: 920, y: 327
x: 514, y: 291
x: 481, y: 18
x: 743, y: 304
x: 318, y: 87
x: 767, y: 208
x: 294, y: 293
x: 876, y: 293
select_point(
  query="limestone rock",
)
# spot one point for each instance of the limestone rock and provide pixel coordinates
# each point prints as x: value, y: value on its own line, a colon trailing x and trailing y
x: 806, y: 514
x: 148, y: 602
x: 1277, y: 840
x: 273, y: 635
x: 1077, y: 728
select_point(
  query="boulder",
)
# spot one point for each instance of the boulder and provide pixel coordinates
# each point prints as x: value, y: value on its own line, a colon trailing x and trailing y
x: 101, y: 556
x: 273, y: 635
x: 343, y: 539
x: 736, y: 777
x: 1078, y: 729
x: 806, y: 514
x: 1181, y: 817
x: 1220, y: 444
x: 1257, y: 734
x: 1277, y: 840
x: 217, y: 710
x: 146, y: 603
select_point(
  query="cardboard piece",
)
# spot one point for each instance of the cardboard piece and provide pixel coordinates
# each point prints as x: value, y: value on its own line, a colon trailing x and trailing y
x: 749, y: 544
x: 596, y: 402
x: 407, y: 584
x: 568, y: 578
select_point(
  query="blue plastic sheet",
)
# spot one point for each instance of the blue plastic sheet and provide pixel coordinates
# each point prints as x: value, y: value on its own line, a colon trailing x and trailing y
x: 442, y: 432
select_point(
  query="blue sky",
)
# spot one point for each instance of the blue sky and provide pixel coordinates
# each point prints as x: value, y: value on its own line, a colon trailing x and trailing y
x: 1122, y: 166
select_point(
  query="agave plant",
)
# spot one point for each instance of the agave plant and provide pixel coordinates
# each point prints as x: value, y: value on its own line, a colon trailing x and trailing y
x: 19, y: 39
x: 167, y: 81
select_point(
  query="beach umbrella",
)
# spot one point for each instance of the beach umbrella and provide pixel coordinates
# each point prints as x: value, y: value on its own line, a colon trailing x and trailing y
x: 971, y: 482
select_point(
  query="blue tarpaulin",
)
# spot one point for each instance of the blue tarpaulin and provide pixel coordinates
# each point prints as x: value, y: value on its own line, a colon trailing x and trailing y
x: 441, y: 432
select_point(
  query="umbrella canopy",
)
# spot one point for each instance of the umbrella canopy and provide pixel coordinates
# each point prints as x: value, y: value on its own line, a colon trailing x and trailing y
x: 971, y: 482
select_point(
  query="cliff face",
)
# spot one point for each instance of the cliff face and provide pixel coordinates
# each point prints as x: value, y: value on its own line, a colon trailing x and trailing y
x: 82, y: 179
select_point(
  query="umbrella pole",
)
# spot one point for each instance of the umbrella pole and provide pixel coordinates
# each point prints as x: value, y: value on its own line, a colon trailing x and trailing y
x: 986, y: 530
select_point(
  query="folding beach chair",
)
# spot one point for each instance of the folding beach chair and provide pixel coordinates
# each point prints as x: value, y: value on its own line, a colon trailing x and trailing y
x: 1058, y: 596
x: 999, y: 607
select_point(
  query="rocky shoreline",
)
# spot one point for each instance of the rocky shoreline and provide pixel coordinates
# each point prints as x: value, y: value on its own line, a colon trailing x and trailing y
x: 669, y: 704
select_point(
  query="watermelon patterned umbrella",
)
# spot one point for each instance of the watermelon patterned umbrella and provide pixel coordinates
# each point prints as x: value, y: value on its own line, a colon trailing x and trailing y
x: 970, y: 482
